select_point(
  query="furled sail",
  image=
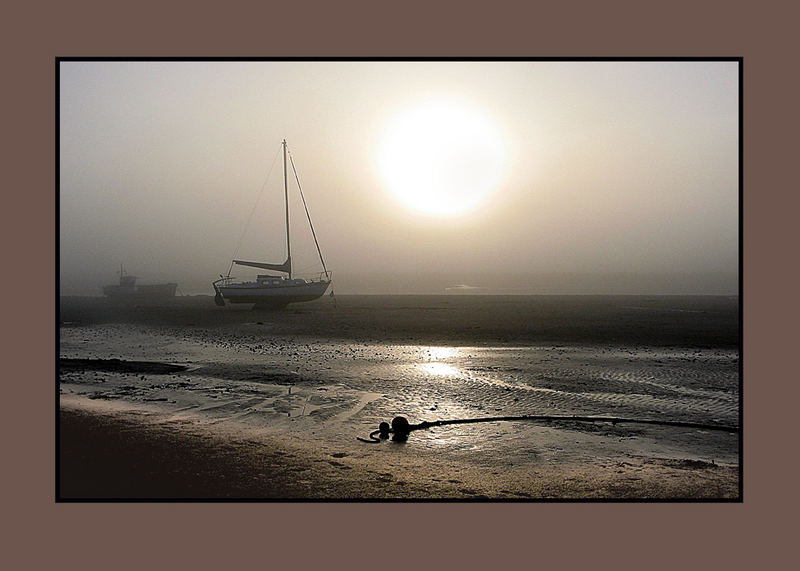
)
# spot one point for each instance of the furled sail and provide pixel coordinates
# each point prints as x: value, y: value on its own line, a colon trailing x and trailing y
x: 284, y: 267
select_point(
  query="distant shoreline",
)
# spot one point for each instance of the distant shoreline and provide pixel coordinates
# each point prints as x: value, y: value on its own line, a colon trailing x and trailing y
x: 677, y: 321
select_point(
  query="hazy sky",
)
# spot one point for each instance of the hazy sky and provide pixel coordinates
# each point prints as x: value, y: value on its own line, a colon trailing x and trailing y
x: 513, y: 173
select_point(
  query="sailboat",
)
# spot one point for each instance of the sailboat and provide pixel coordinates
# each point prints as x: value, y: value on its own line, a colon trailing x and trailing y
x: 270, y: 290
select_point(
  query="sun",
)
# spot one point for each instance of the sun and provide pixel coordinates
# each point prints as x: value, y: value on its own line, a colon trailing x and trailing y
x: 441, y: 158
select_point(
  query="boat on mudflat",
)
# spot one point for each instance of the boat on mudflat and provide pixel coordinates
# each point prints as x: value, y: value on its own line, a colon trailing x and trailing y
x: 270, y: 290
x: 128, y: 291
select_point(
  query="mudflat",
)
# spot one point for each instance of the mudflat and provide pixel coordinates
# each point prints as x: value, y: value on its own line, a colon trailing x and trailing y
x: 187, y: 400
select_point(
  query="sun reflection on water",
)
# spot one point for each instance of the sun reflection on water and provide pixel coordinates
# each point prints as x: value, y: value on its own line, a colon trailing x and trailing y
x: 434, y: 357
x: 440, y: 369
x: 440, y: 353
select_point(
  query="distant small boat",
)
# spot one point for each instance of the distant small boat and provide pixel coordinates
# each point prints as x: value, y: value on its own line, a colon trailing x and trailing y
x: 127, y: 290
x: 275, y: 290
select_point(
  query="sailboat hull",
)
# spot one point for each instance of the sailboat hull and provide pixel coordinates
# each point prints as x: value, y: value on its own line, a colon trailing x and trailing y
x: 273, y: 295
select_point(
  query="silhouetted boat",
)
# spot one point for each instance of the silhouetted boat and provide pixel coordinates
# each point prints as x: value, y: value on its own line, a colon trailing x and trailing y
x: 127, y: 290
x: 275, y: 290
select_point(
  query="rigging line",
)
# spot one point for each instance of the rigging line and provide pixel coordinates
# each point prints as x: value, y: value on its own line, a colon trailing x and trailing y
x: 250, y: 218
x: 314, y: 234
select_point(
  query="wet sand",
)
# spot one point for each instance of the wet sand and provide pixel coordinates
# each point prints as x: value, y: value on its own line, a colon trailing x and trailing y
x: 193, y: 401
x: 126, y: 455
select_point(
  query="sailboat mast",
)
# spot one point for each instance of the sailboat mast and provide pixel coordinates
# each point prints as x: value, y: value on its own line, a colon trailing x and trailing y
x: 286, y: 202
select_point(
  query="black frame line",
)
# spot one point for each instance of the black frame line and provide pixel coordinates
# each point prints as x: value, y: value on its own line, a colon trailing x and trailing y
x: 387, y: 59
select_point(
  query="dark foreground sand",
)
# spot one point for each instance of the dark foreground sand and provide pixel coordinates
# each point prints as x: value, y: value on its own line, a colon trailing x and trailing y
x: 129, y: 456
x: 190, y: 401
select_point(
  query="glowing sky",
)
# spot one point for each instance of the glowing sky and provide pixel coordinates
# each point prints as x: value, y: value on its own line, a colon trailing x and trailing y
x: 600, y: 169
